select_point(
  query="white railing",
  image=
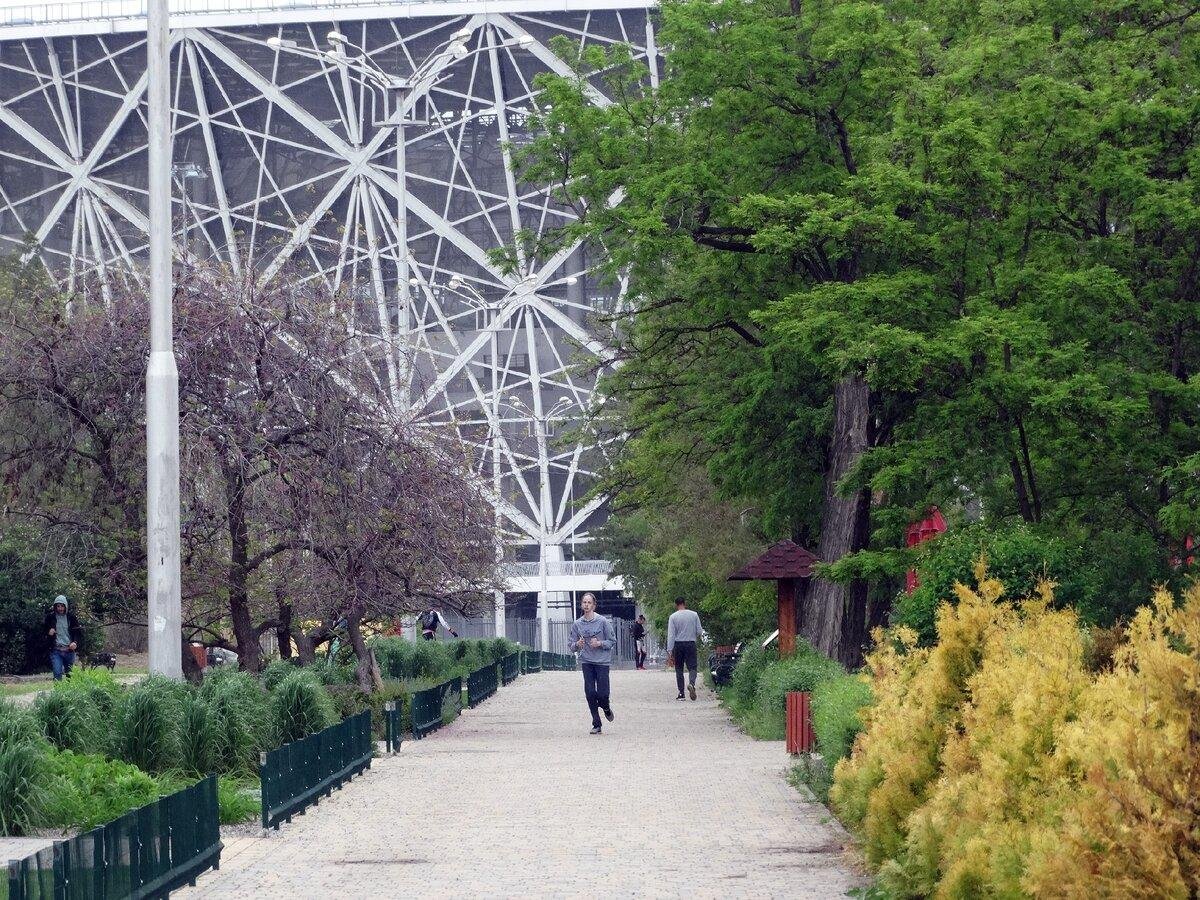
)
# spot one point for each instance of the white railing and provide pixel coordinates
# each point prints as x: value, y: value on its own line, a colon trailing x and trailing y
x: 553, y: 569
x: 111, y: 10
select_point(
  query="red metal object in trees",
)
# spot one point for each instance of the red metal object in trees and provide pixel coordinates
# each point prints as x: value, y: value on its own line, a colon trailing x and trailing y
x: 919, y: 532
x: 799, y: 722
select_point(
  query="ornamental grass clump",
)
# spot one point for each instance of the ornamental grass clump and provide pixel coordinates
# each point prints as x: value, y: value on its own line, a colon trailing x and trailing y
x: 23, y: 751
x: 241, y: 722
x: 199, y: 739
x: 146, y: 733
x: 301, y: 706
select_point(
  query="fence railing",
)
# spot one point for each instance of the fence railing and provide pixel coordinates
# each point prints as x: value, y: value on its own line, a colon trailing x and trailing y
x: 432, y: 707
x: 558, y: 662
x: 510, y: 668
x: 297, y: 774
x: 392, y: 728
x: 481, y: 684
x: 147, y: 852
x: 531, y: 661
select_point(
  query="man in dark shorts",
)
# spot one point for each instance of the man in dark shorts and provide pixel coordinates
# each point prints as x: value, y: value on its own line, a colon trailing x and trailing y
x: 639, y: 643
x: 683, y: 634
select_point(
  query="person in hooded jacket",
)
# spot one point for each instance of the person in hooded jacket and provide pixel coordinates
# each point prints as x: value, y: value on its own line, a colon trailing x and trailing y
x: 64, y: 637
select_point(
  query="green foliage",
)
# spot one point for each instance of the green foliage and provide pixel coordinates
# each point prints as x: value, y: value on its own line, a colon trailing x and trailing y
x: 239, y: 800
x: 836, y: 719
x: 301, y: 706
x: 802, y: 671
x: 1018, y: 555
x: 331, y: 673
x: 18, y: 725
x: 199, y: 736
x: 754, y: 659
x: 28, y: 579
x: 23, y: 752
x: 146, y: 732
x: 87, y: 789
x: 242, y: 724
x: 69, y: 719
x: 22, y: 794
x: 436, y: 660
x: 277, y: 670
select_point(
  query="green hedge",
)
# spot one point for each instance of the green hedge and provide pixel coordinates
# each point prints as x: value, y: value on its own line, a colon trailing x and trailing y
x: 836, y: 703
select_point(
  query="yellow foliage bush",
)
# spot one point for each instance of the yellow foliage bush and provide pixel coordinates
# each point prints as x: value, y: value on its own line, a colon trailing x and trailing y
x: 997, y: 764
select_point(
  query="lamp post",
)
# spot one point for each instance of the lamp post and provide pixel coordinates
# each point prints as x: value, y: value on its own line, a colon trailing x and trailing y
x: 164, y: 618
x: 540, y: 429
x: 395, y: 92
x: 469, y: 294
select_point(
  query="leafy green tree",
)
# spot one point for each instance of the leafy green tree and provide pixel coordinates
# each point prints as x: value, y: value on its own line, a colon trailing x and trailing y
x: 884, y: 257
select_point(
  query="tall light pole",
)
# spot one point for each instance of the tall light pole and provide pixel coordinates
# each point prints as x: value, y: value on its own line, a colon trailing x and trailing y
x: 164, y: 619
x: 540, y: 426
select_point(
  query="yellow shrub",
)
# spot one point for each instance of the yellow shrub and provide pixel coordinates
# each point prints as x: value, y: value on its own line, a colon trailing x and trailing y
x: 997, y: 764
x: 1134, y: 826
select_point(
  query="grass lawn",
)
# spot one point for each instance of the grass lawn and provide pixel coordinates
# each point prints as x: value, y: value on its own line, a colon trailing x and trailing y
x: 30, y: 687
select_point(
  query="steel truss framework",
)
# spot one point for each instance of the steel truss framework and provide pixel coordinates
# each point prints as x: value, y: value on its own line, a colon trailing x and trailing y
x: 281, y: 171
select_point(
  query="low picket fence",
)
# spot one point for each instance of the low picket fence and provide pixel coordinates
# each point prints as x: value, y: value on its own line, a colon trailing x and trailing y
x: 296, y: 775
x: 510, y: 668
x: 147, y: 852
x: 436, y: 706
x: 482, y: 683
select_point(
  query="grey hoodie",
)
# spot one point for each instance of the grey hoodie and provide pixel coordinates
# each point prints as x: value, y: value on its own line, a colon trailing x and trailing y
x: 598, y: 627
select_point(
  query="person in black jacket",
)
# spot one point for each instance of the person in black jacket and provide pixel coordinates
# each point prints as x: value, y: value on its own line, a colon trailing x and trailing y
x: 64, y: 636
x: 639, y: 642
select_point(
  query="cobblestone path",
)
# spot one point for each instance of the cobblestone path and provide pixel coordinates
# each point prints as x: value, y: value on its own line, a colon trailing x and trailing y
x: 516, y: 799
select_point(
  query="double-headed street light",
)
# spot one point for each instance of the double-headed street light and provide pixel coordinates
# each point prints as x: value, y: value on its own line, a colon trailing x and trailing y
x: 396, y: 93
x: 541, y: 428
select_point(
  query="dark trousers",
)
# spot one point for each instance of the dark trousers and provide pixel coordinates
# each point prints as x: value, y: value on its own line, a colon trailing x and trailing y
x: 595, y: 688
x: 685, y: 653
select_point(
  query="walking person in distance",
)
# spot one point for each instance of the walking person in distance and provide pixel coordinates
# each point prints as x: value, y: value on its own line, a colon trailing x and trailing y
x: 683, y: 634
x: 429, y: 622
x: 639, y: 643
x: 64, y: 637
x: 592, y: 637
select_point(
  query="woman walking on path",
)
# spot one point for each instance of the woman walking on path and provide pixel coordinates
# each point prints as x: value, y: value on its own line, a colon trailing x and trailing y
x: 592, y: 637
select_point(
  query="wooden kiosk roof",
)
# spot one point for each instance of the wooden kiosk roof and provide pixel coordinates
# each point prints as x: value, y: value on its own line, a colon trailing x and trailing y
x: 786, y: 559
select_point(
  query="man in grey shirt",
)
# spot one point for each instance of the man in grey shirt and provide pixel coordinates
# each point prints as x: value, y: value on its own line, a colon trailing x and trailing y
x: 683, y: 634
x: 592, y: 637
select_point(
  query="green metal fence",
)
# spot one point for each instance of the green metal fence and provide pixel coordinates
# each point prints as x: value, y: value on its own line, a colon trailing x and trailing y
x: 558, y: 662
x: 147, y: 852
x: 297, y: 774
x: 436, y: 706
x: 531, y: 661
x: 510, y: 668
x: 481, y: 684
x: 391, y: 726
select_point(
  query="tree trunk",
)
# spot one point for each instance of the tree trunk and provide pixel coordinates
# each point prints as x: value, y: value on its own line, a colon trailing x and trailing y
x: 369, y: 679
x: 306, y: 649
x: 283, y: 631
x: 248, y: 647
x: 835, y: 613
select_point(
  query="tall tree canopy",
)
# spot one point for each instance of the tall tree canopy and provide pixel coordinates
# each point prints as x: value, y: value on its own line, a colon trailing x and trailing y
x: 884, y: 256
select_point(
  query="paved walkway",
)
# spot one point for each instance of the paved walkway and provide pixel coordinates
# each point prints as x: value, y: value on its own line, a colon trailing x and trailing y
x: 516, y: 799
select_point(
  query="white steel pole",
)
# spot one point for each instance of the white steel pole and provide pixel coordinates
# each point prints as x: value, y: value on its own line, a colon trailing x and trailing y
x: 162, y: 377
x: 403, y: 294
